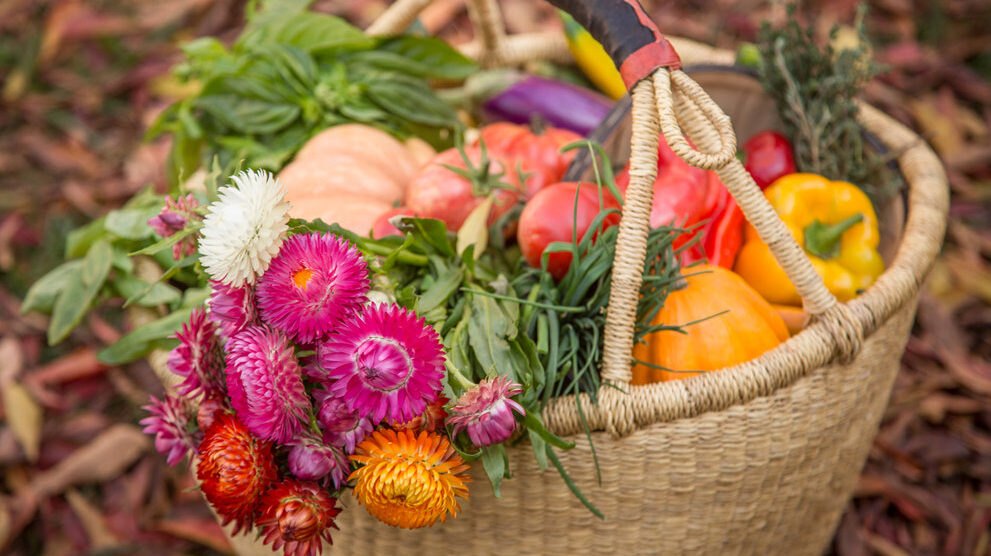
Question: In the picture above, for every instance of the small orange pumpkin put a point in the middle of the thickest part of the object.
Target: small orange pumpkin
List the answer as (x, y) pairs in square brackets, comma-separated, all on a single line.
[(744, 326)]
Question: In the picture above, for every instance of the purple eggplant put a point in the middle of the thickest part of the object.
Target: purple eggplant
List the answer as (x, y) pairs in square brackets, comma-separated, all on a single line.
[(520, 98)]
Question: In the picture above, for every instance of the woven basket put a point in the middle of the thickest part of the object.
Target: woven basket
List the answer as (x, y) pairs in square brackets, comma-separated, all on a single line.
[(760, 458)]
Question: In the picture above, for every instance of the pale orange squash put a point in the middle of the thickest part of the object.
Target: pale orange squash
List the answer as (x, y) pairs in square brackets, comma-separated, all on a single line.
[(747, 327), (349, 175)]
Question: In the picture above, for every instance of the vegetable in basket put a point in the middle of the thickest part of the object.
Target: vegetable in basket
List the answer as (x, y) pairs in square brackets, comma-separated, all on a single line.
[(349, 174), (696, 199), (512, 96), (592, 58), (723, 322), (768, 156), (833, 221), (534, 153)]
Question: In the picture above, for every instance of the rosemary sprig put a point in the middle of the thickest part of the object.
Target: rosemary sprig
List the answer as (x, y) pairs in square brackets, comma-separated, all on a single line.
[(815, 89)]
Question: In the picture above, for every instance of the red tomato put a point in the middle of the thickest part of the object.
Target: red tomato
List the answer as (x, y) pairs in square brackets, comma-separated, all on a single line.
[(535, 154), (548, 217), (768, 157), (437, 192), (382, 227)]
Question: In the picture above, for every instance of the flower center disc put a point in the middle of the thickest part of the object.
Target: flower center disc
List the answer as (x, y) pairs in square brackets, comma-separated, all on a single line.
[(302, 277), (383, 363)]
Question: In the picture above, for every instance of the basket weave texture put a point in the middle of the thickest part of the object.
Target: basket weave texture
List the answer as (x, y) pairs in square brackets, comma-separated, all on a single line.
[(757, 459)]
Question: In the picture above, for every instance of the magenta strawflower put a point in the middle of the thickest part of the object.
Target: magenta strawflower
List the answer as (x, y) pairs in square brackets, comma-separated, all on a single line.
[(311, 459), (232, 308), (386, 363), (173, 218), (315, 281), (169, 421), (265, 385), (486, 411), (198, 358), (341, 426)]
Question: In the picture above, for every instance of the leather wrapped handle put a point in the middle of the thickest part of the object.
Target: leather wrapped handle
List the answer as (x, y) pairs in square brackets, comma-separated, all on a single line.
[(627, 33)]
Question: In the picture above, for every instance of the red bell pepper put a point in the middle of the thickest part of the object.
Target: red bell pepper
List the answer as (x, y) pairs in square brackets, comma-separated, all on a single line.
[(685, 196), (768, 156)]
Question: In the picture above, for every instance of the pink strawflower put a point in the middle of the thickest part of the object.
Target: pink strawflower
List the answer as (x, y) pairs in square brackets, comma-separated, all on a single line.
[(486, 411), (232, 308), (265, 385), (173, 218), (311, 459), (341, 426), (387, 363), (198, 357), (169, 422), (315, 281)]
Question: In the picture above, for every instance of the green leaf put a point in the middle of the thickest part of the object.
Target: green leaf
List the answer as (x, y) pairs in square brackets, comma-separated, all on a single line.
[(539, 449), (130, 223), (73, 303), (571, 484), (495, 460), (309, 31), (78, 242), (137, 291), (141, 340), (488, 328), (433, 232), (412, 100), (97, 263), (168, 242), (429, 57), (248, 115), (438, 292), (184, 158), (43, 293)]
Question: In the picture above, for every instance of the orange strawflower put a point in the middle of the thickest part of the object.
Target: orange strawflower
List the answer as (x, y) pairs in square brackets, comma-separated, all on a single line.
[(408, 480)]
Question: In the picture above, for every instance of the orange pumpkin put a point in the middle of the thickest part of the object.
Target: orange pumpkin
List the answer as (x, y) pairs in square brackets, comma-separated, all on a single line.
[(732, 324)]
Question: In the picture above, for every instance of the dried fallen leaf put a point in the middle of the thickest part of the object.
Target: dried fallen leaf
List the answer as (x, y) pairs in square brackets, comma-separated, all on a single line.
[(24, 416), (102, 459), (100, 537)]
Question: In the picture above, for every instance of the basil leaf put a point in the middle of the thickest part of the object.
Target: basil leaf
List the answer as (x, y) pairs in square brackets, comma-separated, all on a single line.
[(248, 115), (138, 342), (495, 460), (429, 57), (309, 31), (43, 293), (413, 101)]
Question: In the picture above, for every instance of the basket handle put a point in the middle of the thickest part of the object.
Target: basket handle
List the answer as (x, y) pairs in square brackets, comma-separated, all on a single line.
[(666, 99)]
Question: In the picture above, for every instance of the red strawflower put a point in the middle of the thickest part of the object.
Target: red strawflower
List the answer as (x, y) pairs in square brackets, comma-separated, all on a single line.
[(235, 469), (297, 516), (431, 420)]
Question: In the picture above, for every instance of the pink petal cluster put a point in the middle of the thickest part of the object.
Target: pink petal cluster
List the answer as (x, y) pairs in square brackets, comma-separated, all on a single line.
[(232, 308), (385, 363), (198, 357), (486, 411), (169, 422), (341, 426), (311, 459), (315, 281), (265, 384), (173, 218)]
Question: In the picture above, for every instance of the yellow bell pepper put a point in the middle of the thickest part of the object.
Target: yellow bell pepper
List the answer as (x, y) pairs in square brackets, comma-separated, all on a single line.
[(592, 58), (833, 221)]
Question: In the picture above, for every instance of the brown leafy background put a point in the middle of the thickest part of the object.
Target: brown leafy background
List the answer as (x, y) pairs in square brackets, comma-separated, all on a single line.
[(82, 79)]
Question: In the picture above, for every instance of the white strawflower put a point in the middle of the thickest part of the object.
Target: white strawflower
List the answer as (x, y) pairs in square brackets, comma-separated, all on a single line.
[(243, 229)]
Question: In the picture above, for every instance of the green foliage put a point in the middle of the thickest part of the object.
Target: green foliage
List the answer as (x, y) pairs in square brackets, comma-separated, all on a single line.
[(292, 73), (816, 91)]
